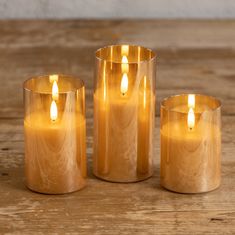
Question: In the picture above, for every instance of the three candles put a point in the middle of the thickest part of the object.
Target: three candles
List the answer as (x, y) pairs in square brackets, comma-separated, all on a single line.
[(124, 113)]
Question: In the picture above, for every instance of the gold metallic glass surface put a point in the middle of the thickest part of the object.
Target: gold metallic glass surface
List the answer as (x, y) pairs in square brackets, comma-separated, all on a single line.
[(55, 132), (124, 110), (190, 143)]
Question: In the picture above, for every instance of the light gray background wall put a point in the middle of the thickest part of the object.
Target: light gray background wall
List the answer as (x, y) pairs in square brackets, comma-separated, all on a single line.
[(117, 9)]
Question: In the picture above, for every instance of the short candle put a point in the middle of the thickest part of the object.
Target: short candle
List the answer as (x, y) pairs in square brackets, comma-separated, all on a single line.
[(54, 127), (190, 143), (124, 108)]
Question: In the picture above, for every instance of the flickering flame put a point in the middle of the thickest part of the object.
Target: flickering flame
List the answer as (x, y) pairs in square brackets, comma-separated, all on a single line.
[(191, 115), (124, 84), (55, 91), (124, 60), (125, 69), (191, 119), (53, 78), (125, 66), (145, 84), (53, 111), (125, 50), (191, 101)]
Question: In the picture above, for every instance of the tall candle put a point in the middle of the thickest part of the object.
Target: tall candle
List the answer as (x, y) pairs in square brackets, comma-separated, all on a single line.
[(124, 100), (54, 127), (190, 143)]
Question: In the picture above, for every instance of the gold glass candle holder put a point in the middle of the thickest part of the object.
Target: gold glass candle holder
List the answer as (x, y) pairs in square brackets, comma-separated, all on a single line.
[(190, 143), (124, 107), (54, 129)]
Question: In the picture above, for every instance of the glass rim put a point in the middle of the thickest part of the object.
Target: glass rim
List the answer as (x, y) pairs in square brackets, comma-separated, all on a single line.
[(120, 45), (38, 77), (167, 108)]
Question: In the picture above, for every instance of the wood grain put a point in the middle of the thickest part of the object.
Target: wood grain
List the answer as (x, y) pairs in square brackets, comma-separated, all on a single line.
[(193, 56)]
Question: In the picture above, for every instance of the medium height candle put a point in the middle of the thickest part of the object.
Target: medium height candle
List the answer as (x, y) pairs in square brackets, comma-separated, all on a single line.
[(54, 127), (124, 107), (190, 143)]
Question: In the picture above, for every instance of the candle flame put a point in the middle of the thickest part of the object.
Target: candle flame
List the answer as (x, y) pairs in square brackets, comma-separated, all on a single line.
[(53, 77), (191, 119), (191, 101), (55, 91), (125, 66), (125, 50), (191, 115), (145, 84), (124, 60), (124, 84), (55, 95), (53, 111), (125, 69)]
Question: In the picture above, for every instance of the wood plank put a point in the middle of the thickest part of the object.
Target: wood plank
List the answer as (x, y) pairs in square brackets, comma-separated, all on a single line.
[(189, 52), (195, 72), (107, 208), (95, 33)]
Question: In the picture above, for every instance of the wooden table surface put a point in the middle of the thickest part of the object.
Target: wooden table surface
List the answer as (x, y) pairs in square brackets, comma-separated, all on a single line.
[(192, 56)]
